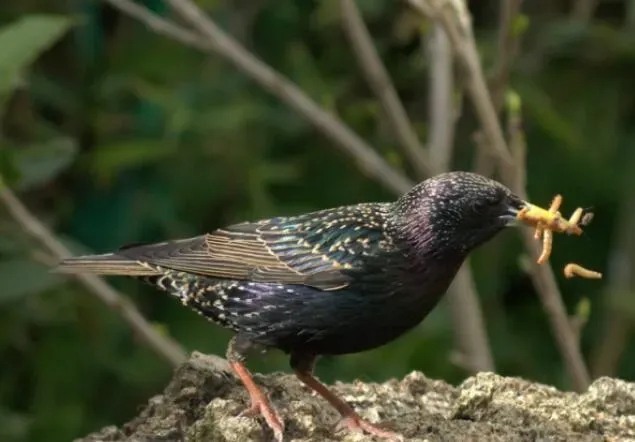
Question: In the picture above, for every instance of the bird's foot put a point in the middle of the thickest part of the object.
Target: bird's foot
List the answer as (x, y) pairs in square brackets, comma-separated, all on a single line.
[(262, 407), (357, 424)]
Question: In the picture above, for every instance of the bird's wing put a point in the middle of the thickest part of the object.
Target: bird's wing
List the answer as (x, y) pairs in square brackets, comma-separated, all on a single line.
[(313, 249)]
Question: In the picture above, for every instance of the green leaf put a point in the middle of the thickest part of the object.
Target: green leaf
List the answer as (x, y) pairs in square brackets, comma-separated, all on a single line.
[(583, 309), (514, 102), (520, 25), (40, 163), (22, 41), (109, 160), (8, 172), (279, 172), (23, 277)]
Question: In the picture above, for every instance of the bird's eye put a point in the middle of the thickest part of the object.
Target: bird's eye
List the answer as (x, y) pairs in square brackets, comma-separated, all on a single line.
[(482, 204)]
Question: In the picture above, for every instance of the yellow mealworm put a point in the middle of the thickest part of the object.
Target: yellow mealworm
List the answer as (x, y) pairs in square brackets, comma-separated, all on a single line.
[(547, 231), (571, 270), (547, 242), (575, 217), (551, 219), (548, 221), (555, 204)]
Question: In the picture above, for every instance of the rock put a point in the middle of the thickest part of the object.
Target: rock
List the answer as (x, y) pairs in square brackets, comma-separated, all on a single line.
[(202, 403)]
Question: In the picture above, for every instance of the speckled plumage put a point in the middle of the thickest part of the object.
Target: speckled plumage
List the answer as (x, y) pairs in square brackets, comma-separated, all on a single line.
[(335, 281)]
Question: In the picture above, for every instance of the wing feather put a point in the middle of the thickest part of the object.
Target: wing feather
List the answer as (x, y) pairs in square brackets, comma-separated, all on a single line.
[(313, 249)]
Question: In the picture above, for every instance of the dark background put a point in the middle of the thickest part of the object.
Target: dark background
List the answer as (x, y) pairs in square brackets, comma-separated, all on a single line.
[(112, 134)]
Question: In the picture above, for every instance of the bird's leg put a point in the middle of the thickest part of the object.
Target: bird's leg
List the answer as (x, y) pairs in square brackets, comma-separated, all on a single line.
[(260, 405), (302, 366)]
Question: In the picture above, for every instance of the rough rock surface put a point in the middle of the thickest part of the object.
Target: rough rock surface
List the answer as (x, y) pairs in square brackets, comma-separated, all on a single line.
[(202, 404)]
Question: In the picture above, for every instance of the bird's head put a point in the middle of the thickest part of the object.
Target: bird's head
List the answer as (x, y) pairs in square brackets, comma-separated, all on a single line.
[(456, 211)]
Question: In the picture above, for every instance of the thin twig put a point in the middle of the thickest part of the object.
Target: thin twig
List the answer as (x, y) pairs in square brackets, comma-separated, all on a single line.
[(609, 348), (475, 353), (456, 21), (381, 84), (160, 25), (546, 286), (213, 39), (467, 317), (506, 50), (441, 90), (516, 176), (580, 318), (454, 16), (164, 346)]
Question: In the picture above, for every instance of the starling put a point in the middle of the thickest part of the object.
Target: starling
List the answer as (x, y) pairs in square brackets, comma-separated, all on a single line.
[(331, 282)]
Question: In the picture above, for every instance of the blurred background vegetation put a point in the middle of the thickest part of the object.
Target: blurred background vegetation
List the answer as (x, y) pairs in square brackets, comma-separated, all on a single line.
[(112, 134)]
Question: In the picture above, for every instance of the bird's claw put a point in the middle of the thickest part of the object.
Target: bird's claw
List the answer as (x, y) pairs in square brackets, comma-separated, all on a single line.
[(357, 424), (272, 418)]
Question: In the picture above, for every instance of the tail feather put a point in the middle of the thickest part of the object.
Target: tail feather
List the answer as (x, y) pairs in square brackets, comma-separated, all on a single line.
[(106, 264)]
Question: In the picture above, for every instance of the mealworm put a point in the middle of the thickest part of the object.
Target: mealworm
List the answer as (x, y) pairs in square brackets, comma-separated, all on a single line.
[(571, 270), (547, 232), (547, 242), (555, 203), (548, 221), (552, 219), (577, 214)]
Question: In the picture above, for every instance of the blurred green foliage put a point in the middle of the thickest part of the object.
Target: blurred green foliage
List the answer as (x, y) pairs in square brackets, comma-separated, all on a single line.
[(113, 135)]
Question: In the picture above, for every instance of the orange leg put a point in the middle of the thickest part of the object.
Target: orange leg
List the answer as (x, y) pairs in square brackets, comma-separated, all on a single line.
[(260, 404), (303, 368)]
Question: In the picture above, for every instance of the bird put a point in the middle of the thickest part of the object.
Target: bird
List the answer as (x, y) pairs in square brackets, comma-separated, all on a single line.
[(330, 282)]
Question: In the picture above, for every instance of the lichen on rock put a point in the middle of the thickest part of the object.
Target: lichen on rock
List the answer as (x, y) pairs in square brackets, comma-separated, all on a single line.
[(203, 403)]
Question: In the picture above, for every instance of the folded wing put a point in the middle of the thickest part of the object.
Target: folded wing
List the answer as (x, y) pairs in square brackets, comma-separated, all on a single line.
[(314, 249)]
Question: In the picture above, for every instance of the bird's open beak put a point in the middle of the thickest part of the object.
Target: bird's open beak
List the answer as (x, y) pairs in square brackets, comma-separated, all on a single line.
[(510, 217)]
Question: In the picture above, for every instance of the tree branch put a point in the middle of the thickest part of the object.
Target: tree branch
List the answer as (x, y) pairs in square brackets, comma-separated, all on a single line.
[(441, 90), (454, 17), (475, 354), (608, 350), (367, 159), (160, 25), (164, 346), (467, 317), (210, 38), (456, 21), (506, 50), (381, 84)]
